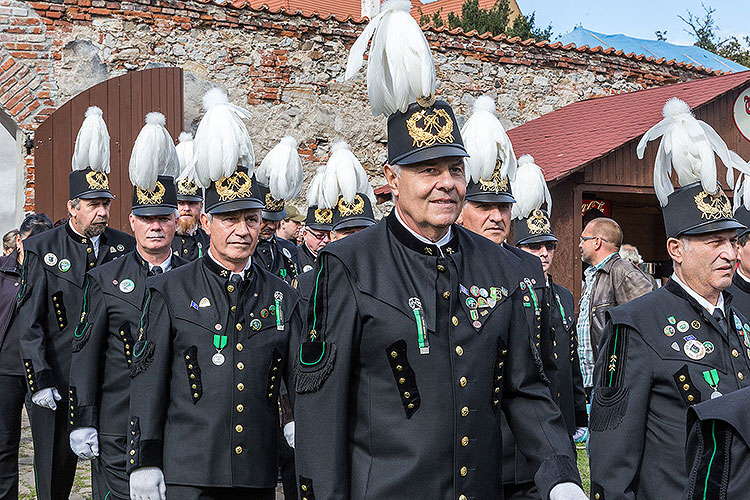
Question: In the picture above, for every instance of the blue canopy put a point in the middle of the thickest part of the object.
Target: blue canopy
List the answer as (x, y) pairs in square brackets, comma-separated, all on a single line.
[(652, 48)]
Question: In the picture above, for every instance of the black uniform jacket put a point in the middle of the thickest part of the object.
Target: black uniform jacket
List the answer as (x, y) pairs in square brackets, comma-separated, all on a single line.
[(191, 247), (50, 297), (571, 397), (718, 448), (379, 417), (278, 256), (305, 259), (103, 343), (661, 354), (203, 423), (740, 290), (305, 288)]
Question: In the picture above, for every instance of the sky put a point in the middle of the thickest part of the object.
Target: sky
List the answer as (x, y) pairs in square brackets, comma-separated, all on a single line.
[(638, 18)]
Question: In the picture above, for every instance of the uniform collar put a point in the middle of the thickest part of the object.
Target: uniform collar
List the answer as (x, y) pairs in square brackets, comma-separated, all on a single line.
[(222, 271), (699, 298), (78, 237), (742, 276), (418, 243), (165, 266)]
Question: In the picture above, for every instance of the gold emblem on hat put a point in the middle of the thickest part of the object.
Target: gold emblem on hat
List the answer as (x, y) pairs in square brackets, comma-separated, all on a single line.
[(713, 206), (273, 205), (538, 223), (429, 126), (155, 197), (97, 181), (186, 187), (237, 185), (356, 207), (323, 215), (497, 183)]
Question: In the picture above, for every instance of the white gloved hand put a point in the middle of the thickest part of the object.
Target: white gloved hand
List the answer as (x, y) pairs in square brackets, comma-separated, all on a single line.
[(46, 398), (289, 433), (579, 434), (147, 483), (84, 442), (567, 491)]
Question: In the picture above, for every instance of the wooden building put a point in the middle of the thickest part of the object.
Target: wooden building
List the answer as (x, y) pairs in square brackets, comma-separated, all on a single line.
[(587, 151)]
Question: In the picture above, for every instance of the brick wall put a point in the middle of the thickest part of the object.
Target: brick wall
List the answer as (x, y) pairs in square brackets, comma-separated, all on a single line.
[(285, 68)]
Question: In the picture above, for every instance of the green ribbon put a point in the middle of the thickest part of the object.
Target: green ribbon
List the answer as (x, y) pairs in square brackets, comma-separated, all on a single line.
[(220, 341), (712, 378), (562, 311), (533, 296), (282, 273), (279, 315), (421, 338)]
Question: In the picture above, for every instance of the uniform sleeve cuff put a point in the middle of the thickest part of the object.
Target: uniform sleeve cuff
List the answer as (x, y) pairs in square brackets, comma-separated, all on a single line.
[(555, 470), (148, 453), (85, 416), (43, 379)]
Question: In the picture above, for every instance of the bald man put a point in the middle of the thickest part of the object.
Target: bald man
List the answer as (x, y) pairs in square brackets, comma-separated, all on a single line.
[(610, 281)]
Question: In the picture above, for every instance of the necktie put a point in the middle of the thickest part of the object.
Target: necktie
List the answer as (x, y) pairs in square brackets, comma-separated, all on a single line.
[(720, 319), (155, 270)]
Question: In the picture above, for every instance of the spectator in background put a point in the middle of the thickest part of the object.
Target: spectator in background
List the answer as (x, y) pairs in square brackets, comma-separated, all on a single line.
[(609, 281), (290, 226), (12, 376), (9, 241), (631, 253)]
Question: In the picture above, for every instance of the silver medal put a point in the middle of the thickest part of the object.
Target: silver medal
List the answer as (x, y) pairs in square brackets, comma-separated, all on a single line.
[(217, 359), (715, 394)]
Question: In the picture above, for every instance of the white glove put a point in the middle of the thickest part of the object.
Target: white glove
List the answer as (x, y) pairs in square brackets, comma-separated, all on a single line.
[(147, 483), (579, 434), (85, 442), (46, 398), (567, 491), (289, 433)]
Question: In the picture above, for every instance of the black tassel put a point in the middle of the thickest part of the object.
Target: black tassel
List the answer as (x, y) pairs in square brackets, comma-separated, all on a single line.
[(141, 362), (608, 409), (81, 336), (538, 362), (311, 378)]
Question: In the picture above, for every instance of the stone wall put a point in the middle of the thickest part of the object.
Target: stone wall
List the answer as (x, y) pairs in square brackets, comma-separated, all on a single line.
[(286, 69)]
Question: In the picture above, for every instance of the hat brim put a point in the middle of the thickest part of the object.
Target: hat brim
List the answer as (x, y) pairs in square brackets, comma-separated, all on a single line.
[(712, 227), (297, 218), (430, 153), (320, 227), (353, 222), (235, 205), (187, 197), (491, 197), (542, 238), (92, 195), (153, 211), (274, 215)]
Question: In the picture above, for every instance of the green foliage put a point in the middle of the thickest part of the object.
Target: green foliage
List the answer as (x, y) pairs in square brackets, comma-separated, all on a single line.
[(703, 30)]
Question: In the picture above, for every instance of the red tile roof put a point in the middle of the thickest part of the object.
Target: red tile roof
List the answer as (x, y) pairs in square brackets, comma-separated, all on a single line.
[(450, 6), (573, 136), (340, 8)]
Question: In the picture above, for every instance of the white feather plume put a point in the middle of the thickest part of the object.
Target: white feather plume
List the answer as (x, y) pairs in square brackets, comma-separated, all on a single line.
[(345, 176), (92, 143), (688, 145), (221, 142), (486, 142), (185, 155), (281, 170), (153, 154), (315, 197), (529, 189), (400, 68), (742, 186)]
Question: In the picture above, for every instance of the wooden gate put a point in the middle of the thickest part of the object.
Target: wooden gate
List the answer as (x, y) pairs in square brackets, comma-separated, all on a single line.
[(125, 101)]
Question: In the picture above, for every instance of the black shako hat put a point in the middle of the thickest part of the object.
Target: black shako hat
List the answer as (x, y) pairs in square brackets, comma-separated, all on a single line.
[(320, 219), (496, 189), (423, 133), (239, 191), (535, 228), (358, 213), (88, 184), (274, 209), (742, 215), (161, 201), (188, 190), (691, 210)]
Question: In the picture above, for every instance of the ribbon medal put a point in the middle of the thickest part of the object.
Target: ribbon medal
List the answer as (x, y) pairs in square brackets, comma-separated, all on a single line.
[(278, 297), (220, 342), (422, 335), (712, 379)]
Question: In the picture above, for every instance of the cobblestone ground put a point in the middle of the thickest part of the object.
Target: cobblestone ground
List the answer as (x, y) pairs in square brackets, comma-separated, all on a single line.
[(82, 483)]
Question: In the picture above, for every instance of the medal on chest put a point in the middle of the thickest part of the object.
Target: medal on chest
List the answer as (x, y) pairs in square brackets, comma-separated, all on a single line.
[(422, 335), (712, 379)]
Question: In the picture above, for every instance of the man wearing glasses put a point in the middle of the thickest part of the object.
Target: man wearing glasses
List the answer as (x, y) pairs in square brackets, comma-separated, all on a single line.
[(316, 235), (610, 281)]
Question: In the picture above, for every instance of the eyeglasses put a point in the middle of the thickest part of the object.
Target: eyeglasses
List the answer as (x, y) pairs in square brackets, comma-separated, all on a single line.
[(319, 235), (549, 245), (587, 238)]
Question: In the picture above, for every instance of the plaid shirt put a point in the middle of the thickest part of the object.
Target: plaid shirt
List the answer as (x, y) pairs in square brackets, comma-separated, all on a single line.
[(585, 351)]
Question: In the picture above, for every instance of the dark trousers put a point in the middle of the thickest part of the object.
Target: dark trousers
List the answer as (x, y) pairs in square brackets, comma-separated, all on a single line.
[(108, 476), (54, 461), (286, 464), (12, 395), (177, 492)]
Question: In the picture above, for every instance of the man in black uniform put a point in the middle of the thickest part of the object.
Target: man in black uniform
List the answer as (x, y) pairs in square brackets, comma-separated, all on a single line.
[(210, 356), (399, 391), (104, 338), (534, 234), (674, 347), (51, 291), (487, 212), (315, 236), (740, 288), (191, 241)]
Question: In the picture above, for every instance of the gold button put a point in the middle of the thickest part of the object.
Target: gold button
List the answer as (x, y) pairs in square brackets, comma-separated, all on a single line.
[(89, 250), (240, 408), (740, 376), (735, 353), (194, 386), (131, 460), (454, 320), (464, 411), (190, 367), (230, 288), (195, 394), (686, 387), (465, 441), (192, 376), (399, 368), (239, 346), (462, 381), (394, 354), (690, 397), (441, 268), (597, 496), (462, 497), (233, 308), (239, 327), (410, 405), (92, 264), (132, 452), (240, 386), (459, 350), (240, 365), (402, 381), (304, 487), (497, 390), (407, 395), (238, 450), (446, 295), (238, 428), (187, 356), (682, 378), (463, 471)]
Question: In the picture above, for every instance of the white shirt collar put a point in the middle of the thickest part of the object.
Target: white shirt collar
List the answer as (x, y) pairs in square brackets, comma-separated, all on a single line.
[(165, 266), (242, 274), (94, 239), (742, 275), (702, 301), (439, 243)]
